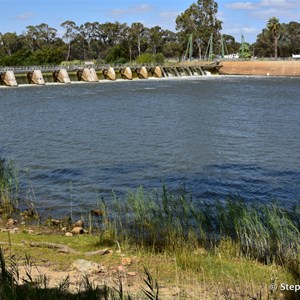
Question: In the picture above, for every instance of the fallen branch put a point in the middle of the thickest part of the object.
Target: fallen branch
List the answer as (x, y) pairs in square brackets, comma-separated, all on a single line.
[(59, 247)]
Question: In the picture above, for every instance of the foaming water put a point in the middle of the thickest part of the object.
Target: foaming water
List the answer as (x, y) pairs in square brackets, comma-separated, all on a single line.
[(215, 135)]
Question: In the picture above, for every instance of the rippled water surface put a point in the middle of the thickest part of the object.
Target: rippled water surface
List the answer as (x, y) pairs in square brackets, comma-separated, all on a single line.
[(216, 135)]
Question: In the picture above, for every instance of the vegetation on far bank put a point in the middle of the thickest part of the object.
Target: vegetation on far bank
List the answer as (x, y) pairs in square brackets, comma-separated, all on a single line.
[(118, 43), (231, 247)]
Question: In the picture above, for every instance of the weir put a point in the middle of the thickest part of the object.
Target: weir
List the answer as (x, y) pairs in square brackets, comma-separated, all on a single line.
[(109, 74), (8, 78), (126, 73), (36, 77), (142, 73), (88, 75), (61, 76), (66, 75)]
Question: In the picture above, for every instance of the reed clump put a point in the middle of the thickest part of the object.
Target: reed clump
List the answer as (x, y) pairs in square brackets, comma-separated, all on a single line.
[(9, 186), (168, 221)]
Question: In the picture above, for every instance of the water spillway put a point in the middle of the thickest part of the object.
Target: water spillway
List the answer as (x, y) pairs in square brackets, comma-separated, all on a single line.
[(66, 75)]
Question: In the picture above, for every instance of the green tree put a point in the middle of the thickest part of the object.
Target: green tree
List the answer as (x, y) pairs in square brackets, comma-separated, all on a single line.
[(155, 39), (10, 43), (200, 19), (71, 31), (137, 31), (263, 45), (117, 54), (289, 41), (274, 26)]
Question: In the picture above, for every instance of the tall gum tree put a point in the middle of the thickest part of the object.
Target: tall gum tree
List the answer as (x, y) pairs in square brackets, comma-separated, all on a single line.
[(200, 19), (70, 34)]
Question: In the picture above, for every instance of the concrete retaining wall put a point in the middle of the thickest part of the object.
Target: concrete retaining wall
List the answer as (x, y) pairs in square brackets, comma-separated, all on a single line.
[(264, 68)]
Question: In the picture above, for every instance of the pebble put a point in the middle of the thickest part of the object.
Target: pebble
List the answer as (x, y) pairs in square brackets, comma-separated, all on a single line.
[(126, 261)]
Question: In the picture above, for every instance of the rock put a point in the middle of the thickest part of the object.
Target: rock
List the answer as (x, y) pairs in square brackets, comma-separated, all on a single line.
[(77, 230), (131, 273), (69, 234), (54, 222), (100, 252), (10, 222), (87, 267), (121, 269), (79, 223), (126, 261)]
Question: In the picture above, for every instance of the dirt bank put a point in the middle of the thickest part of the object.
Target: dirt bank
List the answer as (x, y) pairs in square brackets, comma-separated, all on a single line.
[(264, 68)]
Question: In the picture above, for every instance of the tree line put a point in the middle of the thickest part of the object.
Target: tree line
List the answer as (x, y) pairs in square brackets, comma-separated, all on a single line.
[(114, 42)]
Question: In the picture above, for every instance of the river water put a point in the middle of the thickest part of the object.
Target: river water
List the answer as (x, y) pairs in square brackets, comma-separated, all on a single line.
[(215, 135)]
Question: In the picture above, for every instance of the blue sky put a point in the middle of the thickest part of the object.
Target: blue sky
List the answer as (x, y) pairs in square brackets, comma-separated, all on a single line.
[(239, 17)]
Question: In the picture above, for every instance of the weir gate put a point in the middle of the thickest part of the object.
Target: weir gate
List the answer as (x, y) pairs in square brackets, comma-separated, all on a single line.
[(14, 76)]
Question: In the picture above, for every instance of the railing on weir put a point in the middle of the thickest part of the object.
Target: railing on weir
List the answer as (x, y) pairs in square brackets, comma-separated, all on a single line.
[(76, 67), (69, 67)]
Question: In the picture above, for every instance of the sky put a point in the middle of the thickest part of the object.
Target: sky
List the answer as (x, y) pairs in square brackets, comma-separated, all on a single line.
[(246, 18)]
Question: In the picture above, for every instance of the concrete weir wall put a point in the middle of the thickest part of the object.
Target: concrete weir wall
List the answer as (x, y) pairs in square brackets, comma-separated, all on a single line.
[(126, 73), (142, 73), (61, 76), (36, 77), (109, 74), (88, 75), (64, 75), (263, 68), (8, 78)]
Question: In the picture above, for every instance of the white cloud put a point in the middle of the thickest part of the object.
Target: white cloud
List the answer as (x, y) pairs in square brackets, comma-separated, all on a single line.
[(25, 16), (143, 8), (140, 9), (242, 5), (285, 4), (272, 4), (239, 29)]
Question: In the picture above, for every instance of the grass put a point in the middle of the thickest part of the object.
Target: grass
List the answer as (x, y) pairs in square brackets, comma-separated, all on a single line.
[(226, 250)]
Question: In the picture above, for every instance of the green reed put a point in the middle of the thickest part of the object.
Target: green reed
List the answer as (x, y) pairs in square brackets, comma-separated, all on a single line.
[(172, 221), (9, 186)]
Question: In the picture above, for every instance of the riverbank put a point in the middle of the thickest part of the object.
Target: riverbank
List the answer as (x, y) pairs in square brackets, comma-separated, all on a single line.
[(221, 251), (51, 265), (262, 68)]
